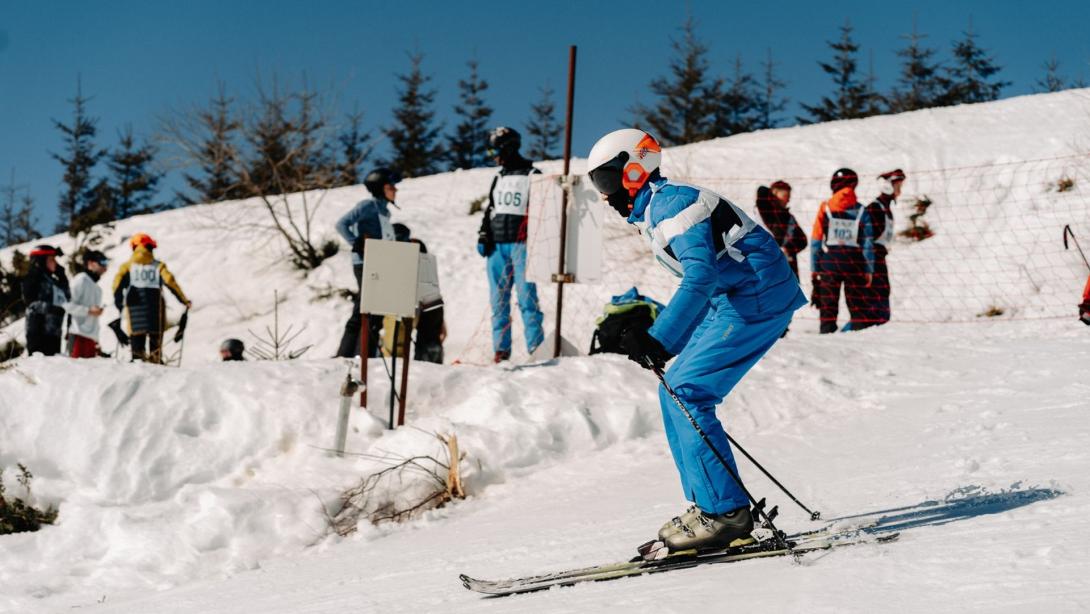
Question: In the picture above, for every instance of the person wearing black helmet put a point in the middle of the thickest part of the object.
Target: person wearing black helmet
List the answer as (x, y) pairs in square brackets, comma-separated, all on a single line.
[(369, 219), (232, 349), (877, 237), (836, 257), (45, 292), (502, 240), (85, 307)]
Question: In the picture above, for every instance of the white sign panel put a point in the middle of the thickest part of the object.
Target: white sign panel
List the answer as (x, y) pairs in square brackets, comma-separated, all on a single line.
[(390, 278), (583, 257)]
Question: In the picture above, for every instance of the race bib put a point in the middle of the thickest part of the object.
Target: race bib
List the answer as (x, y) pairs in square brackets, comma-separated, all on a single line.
[(387, 228), (145, 276), (511, 195), (887, 234), (842, 232)]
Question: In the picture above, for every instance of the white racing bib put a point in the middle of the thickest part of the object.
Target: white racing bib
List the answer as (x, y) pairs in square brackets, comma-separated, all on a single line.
[(145, 275), (511, 195), (842, 232), (387, 227), (700, 210), (887, 235)]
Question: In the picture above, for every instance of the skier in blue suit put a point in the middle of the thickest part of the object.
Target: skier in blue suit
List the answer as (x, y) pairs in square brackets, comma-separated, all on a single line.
[(735, 300), (502, 240)]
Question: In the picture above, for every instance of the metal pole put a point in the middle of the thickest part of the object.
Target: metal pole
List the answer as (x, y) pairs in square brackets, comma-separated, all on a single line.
[(405, 371), (562, 275), (393, 372), (1068, 231), (365, 340), (348, 390)]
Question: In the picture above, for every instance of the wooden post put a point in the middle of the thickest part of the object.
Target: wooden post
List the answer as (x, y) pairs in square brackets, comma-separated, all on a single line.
[(393, 371), (405, 370), (365, 334), (562, 275)]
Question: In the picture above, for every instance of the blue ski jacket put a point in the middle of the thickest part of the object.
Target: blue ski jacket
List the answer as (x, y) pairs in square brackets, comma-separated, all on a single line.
[(369, 219), (718, 251)]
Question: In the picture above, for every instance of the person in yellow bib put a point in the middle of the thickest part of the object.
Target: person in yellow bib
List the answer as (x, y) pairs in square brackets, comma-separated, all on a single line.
[(138, 286)]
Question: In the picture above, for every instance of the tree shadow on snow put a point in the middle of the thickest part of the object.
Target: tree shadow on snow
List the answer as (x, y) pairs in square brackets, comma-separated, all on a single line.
[(960, 504)]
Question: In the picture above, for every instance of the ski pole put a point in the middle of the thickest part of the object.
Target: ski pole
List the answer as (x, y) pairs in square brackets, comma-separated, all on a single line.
[(1068, 231), (813, 515), (780, 538)]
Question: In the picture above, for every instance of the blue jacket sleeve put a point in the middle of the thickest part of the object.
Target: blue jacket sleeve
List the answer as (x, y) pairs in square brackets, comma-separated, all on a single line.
[(346, 226), (867, 221), (815, 256), (696, 251)]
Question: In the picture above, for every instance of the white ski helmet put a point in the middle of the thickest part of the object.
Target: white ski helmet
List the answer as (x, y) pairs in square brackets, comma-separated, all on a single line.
[(623, 158)]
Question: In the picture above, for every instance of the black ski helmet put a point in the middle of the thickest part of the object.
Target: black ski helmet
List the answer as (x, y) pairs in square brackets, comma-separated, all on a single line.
[(843, 178), (377, 179), (234, 349), (503, 142)]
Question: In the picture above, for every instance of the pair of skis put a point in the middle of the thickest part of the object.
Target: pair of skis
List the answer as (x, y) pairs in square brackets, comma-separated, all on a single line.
[(801, 543)]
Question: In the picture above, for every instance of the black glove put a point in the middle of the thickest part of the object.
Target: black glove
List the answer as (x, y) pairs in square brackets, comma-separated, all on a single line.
[(115, 326), (485, 244), (644, 349)]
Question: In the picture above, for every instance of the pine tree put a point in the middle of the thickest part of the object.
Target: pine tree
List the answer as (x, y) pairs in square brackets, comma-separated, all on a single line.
[(688, 99), (79, 161), (269, 136), (973, 77), (214, 152), (737, 107), (769, 102), (1052, 81), (16, 214), (467, 147), (354, 149), (310, 165), (414, 133), (25, 221), (921, 84), (543, 128), (851, 98), (874, 103), (134, 180)]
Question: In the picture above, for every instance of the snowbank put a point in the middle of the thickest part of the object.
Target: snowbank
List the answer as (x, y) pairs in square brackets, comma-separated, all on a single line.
[(167, 475)]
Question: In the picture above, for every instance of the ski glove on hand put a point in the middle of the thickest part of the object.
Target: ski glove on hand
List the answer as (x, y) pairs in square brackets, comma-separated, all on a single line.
[(644, 350), (486, 249)]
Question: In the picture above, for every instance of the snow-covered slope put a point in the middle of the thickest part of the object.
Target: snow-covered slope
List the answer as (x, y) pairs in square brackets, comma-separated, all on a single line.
[(213, 477)]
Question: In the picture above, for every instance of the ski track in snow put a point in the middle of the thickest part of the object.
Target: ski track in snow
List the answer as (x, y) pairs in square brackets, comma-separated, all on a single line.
[(201, 488)]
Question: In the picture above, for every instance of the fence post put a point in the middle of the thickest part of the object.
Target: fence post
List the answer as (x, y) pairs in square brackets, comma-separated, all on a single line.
[(562, 276)]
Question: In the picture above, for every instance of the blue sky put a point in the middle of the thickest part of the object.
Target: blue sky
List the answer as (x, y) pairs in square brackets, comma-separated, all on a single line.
[(139, 60)]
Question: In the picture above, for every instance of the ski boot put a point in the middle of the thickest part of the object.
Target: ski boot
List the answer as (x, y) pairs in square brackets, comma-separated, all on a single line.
[(703, 531), (674, 524)]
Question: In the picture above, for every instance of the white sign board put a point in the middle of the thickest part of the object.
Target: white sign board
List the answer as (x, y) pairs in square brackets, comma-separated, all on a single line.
[(390, 278), (427, 292), (583, 251)]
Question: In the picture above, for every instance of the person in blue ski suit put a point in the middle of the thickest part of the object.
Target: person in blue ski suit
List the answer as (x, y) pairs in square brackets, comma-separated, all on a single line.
[(369, 219), (502, 240), (736, 297)]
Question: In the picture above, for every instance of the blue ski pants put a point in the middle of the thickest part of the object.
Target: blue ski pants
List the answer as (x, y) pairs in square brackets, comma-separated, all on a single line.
[(722, 349), (507, 268)]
